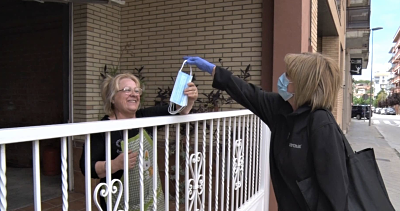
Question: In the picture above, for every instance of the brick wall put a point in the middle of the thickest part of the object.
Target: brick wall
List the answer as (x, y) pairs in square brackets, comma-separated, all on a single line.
[(162, 32), (96, 43), (314, 25)]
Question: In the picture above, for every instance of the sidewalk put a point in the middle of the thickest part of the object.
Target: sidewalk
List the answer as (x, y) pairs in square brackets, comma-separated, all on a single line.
[(362, 136)]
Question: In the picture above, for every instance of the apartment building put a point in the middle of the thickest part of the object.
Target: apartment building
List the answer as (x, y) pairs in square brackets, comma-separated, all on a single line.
[(395, 60), (381, 82), (360, 90)]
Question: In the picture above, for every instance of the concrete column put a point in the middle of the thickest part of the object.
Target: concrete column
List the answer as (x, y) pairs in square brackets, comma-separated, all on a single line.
[(292, 32)]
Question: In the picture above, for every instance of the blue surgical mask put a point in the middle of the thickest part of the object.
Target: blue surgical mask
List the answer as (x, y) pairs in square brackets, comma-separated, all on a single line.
[(283, 83), (177, 96)]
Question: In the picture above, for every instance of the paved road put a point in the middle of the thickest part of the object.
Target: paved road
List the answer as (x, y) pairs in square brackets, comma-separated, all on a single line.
[(382, 137), (388, 126)]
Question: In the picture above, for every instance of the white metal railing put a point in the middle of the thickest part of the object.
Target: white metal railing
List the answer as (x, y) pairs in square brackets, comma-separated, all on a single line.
[(239, 179)]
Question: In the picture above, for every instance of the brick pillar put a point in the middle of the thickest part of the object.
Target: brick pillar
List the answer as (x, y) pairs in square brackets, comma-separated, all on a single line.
[(96, 43), (331, 48)]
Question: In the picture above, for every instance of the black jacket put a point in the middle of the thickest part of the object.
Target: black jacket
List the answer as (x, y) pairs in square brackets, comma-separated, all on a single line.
[(307, 157)]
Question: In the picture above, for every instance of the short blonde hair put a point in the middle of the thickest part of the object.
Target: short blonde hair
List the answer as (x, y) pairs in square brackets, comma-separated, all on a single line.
[(110, 87), (317, 79)]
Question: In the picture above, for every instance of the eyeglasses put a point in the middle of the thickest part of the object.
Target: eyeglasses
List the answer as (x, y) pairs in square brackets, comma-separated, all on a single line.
[(128, 90)]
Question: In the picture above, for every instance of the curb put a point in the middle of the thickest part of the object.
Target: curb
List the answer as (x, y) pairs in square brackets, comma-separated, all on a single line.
[(397, 152)]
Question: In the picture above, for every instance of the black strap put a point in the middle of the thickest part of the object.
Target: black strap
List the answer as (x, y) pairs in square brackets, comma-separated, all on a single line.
[(348, 150)]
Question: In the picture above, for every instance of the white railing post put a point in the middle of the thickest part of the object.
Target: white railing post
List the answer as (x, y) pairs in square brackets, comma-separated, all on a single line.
[(108, 171), (155, 176), (167, 167), (210, 162), (251, 155), (88, 182), (126, 169), (141, 173), (3, 178), (239, 163), (255, 154), (217, 168), (196, 169), (203, 195), (265, 174), (233, 164), (223, 163), (259, 154), (36, 175), (64, 173), (228, 171), (246, 158)]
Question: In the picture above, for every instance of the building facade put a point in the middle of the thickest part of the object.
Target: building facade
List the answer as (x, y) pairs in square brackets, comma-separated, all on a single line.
[(156, 34), (395, 60), (381, 82), (361, 89)]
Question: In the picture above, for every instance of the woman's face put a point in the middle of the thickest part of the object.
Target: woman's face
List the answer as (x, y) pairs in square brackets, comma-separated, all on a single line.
[(126, 102)]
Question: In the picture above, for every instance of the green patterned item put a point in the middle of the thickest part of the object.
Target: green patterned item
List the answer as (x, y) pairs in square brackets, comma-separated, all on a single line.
[(148, 174)]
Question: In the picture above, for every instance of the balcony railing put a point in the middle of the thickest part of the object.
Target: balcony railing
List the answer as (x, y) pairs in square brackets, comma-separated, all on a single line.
[(233, 148), (396, 79), (396, 57), (396, 90), (396, 69)]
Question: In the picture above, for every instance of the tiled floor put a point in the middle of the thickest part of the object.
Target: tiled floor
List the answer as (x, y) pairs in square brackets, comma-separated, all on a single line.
[(76, 202)]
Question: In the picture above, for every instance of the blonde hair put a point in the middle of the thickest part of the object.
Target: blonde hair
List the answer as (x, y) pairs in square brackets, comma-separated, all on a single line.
[(110, 87), (317, 79)]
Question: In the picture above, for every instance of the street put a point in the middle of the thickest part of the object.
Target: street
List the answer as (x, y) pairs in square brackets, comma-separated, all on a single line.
[(382, 136), (388, 126)]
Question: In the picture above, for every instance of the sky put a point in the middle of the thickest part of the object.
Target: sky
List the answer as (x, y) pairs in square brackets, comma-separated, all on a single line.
[(384, 13)]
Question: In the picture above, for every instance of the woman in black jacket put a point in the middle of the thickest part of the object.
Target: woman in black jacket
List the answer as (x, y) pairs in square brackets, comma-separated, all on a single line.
[(307, 156)]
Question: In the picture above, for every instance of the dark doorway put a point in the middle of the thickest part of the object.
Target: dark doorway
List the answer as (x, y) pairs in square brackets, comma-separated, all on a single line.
[(34, 72)]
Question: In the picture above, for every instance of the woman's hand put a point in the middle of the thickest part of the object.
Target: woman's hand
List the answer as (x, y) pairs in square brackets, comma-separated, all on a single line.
[(118, 162), (202, 64), (192, 94)]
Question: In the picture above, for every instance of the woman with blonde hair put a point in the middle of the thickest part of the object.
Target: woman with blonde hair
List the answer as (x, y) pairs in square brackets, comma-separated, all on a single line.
[(121, 100), (307, 156)]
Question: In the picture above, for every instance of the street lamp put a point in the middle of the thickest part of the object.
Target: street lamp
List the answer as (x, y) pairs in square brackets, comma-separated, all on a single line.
[(372, 61)]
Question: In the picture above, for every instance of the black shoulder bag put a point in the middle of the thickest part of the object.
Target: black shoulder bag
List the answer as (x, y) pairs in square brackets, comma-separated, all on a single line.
[(367, 191)]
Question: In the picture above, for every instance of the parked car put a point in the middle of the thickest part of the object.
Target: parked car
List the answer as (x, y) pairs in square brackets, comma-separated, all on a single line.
[(383, 111), (378, 110), (390, 111), (360, 111)]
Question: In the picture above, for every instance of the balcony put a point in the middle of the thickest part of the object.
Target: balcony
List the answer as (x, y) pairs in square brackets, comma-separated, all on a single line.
[(358, 29), (396, 57), (396, 69), (396, 90), (222, 159), (396, 79)]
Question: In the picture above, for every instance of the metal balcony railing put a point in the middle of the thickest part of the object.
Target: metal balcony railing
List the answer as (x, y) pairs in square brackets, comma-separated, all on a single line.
[(231, 145)]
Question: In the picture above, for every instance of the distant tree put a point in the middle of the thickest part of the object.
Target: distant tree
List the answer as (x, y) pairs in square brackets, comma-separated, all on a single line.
[(361, 100), (381, 99), (393, 99), (362, 81)]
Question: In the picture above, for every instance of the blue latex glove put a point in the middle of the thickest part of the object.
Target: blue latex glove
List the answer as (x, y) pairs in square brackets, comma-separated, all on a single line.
[(202, 64)]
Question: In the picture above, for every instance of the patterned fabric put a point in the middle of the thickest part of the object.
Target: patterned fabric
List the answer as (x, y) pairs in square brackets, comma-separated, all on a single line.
[(148, 174)]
